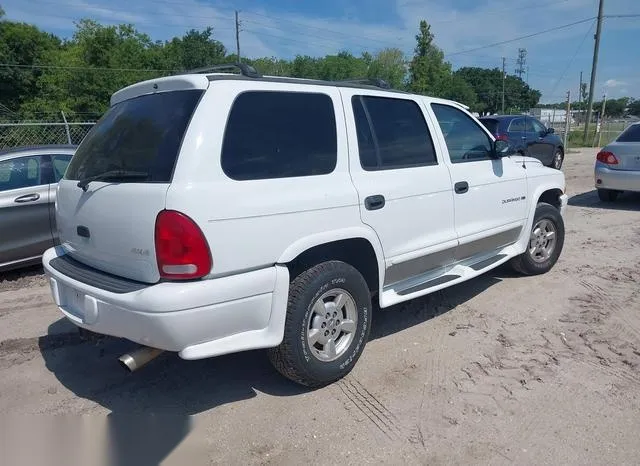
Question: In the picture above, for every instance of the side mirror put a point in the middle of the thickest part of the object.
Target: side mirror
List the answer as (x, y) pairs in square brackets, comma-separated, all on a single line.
[(550, 130), (502, 149)]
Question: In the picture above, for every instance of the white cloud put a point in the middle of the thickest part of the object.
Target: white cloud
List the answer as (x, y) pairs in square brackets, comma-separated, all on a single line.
[(613, 83)]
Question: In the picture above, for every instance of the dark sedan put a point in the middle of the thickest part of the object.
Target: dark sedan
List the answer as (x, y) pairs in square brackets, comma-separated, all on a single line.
[(528, 137)]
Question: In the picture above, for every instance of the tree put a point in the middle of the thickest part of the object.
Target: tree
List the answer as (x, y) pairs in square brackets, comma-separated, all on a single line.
[(487, 84), (24, 46), (614, 108), (428, 72), (634, 107), (388, 64), (461, 91), (195, 49)]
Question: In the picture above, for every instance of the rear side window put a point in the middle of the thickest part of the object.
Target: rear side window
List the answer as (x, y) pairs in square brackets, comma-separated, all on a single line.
[(631, 134), (392, 133), (517, 126), (279, 135), (491, 125), (143, 134)]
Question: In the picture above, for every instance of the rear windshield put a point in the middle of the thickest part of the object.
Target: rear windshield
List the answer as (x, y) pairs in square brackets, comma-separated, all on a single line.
[(631, 134), (491, 125), (138, 135)]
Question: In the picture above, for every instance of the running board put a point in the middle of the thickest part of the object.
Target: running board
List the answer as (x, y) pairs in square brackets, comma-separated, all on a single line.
[(430, 284)]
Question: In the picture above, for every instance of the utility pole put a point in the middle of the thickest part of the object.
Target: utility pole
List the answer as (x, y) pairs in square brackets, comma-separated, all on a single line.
[(567, 121), (594, 67), (238, 37), (521, 62), (601, 118), (504, 78), (580, 91)]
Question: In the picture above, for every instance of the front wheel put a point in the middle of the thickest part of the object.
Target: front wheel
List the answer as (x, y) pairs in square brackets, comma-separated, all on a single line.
[(558, 158), (546, 241), (327, 326)]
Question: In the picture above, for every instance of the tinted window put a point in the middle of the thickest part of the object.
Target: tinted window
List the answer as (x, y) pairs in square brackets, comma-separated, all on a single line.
[(21, 172), (392, 133), (465, 139), (517, 126), (631, 134), (143, 134), (490, 124), (279, 135), (538, 127), (59, 164)]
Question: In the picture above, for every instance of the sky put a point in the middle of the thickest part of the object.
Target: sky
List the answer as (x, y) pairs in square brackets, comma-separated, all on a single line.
[(463, 29)]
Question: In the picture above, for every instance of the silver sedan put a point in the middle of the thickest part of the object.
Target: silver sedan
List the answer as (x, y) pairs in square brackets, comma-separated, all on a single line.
[(28, 181), (618, 165)]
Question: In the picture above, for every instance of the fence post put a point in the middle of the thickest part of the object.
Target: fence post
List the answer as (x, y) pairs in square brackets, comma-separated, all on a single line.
[(567, 121), (66, 127)]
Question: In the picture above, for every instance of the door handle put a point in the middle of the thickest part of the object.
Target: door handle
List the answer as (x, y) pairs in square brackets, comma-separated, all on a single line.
[(374, 202), (461, 187), (27, 198)]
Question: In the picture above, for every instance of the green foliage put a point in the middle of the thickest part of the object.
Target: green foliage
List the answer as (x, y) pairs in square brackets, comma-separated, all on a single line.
[(79, 75), (634, 107), (428, 72)]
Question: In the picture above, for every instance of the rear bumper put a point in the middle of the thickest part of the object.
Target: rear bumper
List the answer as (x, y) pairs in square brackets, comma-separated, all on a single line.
[(197, 319), (619, 180)]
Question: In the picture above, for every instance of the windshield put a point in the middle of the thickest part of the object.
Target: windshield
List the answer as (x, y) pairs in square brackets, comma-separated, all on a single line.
[(143, 134), (631, 134)]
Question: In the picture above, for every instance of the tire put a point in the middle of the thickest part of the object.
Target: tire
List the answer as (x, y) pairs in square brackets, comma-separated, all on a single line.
[(533, 261), (558, 159), (608, 195), (310, 364)]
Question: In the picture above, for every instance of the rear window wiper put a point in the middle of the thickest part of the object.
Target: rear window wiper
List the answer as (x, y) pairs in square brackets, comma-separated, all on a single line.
[(112, 175)]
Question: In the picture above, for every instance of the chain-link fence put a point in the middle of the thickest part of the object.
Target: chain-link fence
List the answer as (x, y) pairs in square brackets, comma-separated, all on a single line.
[(31, 134)]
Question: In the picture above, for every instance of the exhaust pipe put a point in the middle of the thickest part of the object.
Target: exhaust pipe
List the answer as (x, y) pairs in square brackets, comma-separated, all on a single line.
[(139, 358)]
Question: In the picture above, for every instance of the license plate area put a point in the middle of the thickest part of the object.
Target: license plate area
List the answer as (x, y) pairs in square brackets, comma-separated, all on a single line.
[(73, 302)]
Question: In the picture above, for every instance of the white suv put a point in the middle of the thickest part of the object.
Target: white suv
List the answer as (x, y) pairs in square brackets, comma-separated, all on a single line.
[(211, 213)]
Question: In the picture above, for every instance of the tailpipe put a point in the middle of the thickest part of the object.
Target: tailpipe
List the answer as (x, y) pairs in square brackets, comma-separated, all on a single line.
[(139, 358)]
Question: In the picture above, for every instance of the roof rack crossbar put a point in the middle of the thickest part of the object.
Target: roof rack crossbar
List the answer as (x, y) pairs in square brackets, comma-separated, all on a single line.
[(245, 70), (377, 82)]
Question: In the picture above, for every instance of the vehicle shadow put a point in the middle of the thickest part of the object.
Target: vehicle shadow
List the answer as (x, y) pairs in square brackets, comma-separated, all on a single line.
[(590, 199), (151, 411)]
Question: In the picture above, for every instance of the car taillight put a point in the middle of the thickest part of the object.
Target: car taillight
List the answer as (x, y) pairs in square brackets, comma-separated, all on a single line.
[(502, 137), (607, 157), (182, 251)]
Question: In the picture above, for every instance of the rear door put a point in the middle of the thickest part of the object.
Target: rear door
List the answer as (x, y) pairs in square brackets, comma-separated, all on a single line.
[(489, 195), (109, 223), (25, 230), (404, 188)]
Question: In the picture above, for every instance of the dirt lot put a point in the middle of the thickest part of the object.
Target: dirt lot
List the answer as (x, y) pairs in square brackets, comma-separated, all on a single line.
[(500, 370)]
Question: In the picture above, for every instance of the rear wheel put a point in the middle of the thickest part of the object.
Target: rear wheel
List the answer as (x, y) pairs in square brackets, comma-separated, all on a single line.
[(558, 158), (608, 195), (327, 326), (545, 242)]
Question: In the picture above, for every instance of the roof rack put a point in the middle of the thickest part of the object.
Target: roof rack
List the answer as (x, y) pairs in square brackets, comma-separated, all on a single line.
[(377, 82), (245, 70)]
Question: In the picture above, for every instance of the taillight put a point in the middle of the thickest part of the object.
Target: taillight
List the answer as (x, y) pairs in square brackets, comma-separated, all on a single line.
[(502, 137), (607, 157), (181, 248)]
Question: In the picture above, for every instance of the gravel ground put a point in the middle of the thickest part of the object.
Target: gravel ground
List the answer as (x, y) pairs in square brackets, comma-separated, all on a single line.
[(499, 370)]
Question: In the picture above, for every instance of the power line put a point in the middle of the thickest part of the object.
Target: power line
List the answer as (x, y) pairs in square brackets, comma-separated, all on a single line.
[(82, 68), (515, 39), (573, 58)]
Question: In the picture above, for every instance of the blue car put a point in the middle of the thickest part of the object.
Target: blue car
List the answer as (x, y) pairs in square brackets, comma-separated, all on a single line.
[(528, 137)]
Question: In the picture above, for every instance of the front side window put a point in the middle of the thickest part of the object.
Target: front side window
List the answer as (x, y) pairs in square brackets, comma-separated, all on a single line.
[(279, 135), (59, 164), (392, 133), (21, 172), (466, 140), (538, 127)]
